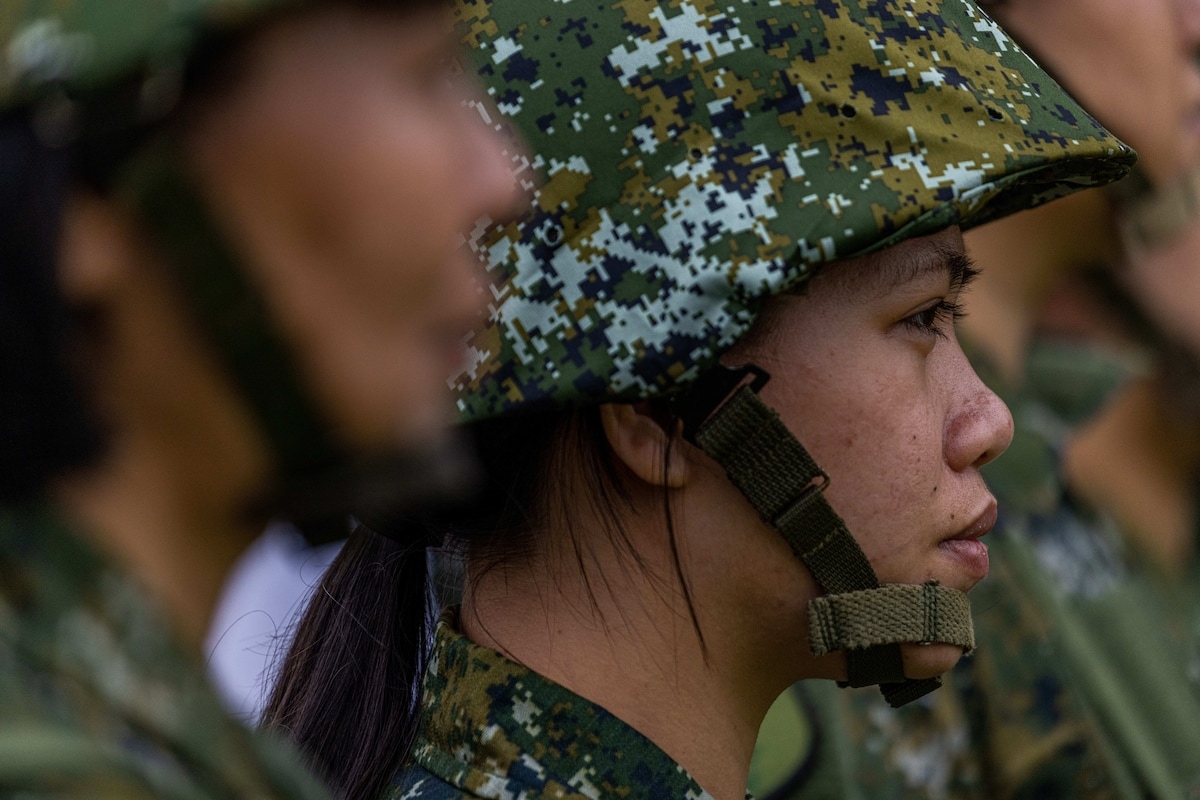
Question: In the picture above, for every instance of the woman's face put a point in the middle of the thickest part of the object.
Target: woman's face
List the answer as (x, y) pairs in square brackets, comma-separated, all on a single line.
[(347, 165), (1131, 64), (867, 373)]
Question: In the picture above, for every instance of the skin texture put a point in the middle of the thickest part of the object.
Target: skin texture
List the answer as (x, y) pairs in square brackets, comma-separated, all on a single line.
[(870, 378), (345, 168)]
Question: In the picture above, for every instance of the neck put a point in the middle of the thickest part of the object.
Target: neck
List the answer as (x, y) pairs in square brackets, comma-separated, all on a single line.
[(1022, 258), (153, 518), (184, 454), (628, 644)]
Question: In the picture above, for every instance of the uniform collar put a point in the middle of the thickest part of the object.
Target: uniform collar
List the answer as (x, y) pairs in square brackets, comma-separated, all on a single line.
[(494, 728)]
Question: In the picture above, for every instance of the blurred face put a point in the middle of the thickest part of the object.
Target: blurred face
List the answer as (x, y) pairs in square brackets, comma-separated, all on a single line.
[(346, 165), (867, 373), (1131, 64)]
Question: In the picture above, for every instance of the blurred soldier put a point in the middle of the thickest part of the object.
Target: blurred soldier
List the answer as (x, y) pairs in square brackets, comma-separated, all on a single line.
[(230, 287), (1085, 682)]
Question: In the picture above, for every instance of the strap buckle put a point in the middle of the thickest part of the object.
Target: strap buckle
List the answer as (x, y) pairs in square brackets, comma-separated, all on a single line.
[(695, 404)]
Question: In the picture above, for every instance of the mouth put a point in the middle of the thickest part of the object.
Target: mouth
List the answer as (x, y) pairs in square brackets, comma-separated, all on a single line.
[(966, 549)]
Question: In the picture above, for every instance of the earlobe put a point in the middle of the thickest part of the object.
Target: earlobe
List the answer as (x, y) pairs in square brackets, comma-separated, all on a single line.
[(639, 441)]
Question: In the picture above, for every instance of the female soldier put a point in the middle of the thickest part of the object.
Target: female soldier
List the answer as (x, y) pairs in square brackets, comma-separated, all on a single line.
[(255, 210), (1085, 683), (663, 335)]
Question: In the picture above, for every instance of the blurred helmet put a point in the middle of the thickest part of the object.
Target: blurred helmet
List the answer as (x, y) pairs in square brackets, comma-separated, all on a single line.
[(81, 46)]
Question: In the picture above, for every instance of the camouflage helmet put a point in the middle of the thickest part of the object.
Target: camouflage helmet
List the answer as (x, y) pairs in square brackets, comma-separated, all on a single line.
[(699, 156), (82, 45)]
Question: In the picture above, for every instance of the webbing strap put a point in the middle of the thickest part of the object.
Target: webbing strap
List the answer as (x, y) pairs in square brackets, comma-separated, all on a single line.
[(785, 485), (901, 694), (893, 613), (231, 313), (317, 481)]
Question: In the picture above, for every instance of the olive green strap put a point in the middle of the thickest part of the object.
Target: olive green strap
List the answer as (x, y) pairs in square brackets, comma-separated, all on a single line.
[(901, 694), (229, 310), (893, 613), (785, 485)]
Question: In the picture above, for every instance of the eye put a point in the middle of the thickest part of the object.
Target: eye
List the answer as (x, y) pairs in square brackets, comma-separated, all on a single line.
[(935, 318)]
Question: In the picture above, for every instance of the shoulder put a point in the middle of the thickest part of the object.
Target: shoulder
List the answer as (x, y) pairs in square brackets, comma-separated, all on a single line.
[(98, 697)]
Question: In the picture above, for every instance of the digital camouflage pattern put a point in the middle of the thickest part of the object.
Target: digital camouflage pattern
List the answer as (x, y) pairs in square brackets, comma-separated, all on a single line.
[(698, 156), (1086, 680), (78, 45), (495, 729), (96, 698)]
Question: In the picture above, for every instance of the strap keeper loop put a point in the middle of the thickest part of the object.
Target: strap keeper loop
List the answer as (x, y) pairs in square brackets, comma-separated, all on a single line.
[(789, 516), (695, 404)]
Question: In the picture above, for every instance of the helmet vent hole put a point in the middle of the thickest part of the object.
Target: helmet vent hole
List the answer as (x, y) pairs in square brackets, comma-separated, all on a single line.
[(995, 113), (697, 153), (849, 111)]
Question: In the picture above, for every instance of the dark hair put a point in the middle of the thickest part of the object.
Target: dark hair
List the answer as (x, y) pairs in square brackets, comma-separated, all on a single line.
[(44, 426), (348, 689)]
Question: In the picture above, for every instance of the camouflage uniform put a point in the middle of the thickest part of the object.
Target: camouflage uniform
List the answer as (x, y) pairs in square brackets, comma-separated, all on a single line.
[(1086, 682), (493, 728), (97, 699)]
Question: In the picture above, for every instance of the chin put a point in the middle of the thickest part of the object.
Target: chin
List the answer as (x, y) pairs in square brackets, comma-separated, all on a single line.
[(929, 660)]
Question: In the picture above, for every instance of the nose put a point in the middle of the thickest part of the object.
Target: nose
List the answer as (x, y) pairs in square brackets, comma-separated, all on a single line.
[(496, 169), (979, 427)]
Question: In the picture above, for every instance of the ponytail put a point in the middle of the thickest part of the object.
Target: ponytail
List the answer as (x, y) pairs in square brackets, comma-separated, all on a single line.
[(45, 426), (348, 690)]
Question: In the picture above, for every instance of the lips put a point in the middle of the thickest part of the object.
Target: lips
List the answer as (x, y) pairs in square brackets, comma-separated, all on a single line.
[(965, 547)]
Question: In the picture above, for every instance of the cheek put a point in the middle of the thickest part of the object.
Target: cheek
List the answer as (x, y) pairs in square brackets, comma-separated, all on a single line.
[(382, 209), (877, 430), (343, 208)]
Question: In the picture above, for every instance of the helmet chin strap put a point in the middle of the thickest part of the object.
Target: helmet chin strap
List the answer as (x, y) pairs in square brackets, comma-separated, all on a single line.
[(724, 416), (318, 481)]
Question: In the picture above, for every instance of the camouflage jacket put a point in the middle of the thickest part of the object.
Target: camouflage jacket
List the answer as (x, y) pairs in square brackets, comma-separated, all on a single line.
[(1086, 680), (493, 728), (97, 699)]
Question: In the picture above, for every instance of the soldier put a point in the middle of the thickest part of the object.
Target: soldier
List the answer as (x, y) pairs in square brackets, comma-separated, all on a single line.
[(1084, 683), (747, 238), (231, 283)]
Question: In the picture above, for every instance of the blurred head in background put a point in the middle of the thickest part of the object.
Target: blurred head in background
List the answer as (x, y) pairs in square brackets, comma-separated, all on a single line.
[(1131, 64), (252, 214)]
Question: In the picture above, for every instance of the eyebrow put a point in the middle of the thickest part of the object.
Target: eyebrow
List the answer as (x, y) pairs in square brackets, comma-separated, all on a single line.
[(886, 272)]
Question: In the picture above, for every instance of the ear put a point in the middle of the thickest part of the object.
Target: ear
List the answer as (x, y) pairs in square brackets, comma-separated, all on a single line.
[(640, 443), (96, 247)]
